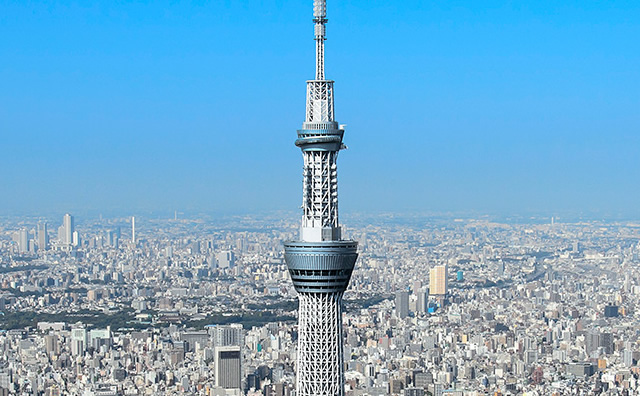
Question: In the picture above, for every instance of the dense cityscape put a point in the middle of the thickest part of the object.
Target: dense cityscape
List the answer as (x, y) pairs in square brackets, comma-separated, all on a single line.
[(436, 306), (460, 109)]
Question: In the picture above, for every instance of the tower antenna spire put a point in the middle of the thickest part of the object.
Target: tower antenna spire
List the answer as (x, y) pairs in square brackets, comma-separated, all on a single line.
[(320, 20)]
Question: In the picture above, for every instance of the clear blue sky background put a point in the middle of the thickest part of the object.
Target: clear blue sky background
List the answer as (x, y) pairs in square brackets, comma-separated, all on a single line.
[(496, 106)]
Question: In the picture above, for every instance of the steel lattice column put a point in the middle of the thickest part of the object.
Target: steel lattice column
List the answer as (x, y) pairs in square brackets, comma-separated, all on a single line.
[(320, 360)]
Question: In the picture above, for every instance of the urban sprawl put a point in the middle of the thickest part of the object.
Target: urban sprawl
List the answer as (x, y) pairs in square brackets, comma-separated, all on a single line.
[(435, 306)]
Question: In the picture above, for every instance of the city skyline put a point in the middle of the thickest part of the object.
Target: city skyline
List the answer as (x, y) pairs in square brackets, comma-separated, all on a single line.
[(149, 238), (490, 108), (535, 308)]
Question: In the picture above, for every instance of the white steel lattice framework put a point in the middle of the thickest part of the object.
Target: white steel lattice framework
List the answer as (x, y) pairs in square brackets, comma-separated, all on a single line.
[(320, 360), (321, 262)]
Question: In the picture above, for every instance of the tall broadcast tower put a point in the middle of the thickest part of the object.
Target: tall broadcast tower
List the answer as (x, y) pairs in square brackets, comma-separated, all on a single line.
[(320, 264)]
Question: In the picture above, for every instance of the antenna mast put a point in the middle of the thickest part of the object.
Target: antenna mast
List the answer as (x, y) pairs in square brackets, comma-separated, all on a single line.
[(320, 19)]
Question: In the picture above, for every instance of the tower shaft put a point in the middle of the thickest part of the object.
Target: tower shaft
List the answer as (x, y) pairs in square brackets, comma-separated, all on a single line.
[(320, 360), (321, 262)]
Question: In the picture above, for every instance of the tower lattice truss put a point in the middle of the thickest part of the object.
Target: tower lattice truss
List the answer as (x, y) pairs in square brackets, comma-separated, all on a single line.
[(320, 357)]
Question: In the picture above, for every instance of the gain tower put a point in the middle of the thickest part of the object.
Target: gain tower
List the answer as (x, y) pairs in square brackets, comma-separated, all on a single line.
[(321, 262)]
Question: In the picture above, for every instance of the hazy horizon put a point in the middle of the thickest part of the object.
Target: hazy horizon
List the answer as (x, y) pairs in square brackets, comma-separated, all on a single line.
[(348, 218)]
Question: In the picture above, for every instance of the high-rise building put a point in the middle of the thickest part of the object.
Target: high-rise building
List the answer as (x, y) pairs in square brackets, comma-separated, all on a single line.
[(43, 236), (402, 304), (422, 302), (69, 228), (21, 238), (228, 361), (592, 341), (438, 282), (113, 237), (227, 335), (225, 259), (133, 230), (321, 262), (66, 233), (606, 342), (75, 239), (78, 341), (51, 344), (99, 337)]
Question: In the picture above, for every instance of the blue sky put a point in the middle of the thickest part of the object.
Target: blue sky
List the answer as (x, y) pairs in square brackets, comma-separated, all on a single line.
[(493, 106)]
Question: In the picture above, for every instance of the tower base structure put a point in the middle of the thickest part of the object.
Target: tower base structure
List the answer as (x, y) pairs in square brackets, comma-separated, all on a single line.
[(320, 368), (320, 272)]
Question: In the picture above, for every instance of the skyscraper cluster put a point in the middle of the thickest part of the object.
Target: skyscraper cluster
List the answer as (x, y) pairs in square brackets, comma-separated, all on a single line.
[(29, 241)]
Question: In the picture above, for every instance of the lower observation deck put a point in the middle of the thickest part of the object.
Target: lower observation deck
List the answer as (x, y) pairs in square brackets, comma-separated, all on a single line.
[(320, 267)]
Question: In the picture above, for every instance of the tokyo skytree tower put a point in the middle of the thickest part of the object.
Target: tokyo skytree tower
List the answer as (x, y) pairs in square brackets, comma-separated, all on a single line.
[(321, 262)]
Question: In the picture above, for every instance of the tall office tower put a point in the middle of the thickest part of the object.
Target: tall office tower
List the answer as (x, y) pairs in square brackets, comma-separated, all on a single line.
[(225, 259), (69, 226), (21, 238), (65, 231), (227, 335), (321, 262), (75, 239), (423, 301), (43, 237), (78, 341), (133, 230), (438, 282), (402, 304), (227, 363), (51, 344)]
